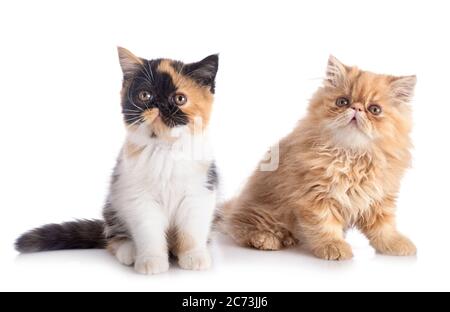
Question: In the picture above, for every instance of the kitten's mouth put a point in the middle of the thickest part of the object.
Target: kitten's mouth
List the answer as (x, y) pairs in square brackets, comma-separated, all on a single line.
[(354, 123), (354, 120)]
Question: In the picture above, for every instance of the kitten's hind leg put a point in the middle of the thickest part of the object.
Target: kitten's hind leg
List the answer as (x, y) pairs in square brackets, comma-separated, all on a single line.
[(253, 229), (264, 241), (123, 249)]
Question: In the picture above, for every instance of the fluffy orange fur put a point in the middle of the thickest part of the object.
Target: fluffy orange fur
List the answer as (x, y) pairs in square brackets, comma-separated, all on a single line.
[(341, 167)]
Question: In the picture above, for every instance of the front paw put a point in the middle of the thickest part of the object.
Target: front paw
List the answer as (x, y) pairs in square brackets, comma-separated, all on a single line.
[(334, 250), (397, 245), (195, 260), (152, 265)]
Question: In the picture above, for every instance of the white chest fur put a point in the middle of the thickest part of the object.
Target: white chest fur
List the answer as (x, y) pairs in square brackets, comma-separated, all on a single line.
[(162, 188), (166, 172)]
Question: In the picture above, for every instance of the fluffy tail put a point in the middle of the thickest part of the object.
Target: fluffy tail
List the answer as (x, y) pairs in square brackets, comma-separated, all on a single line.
[(80, 234)]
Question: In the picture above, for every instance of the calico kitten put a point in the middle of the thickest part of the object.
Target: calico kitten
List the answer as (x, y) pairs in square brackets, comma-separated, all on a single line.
[(341, 167), (162, 197)]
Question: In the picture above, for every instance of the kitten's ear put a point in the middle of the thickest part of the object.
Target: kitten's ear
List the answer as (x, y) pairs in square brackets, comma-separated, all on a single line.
[(403, 88), (129, 62), (336, 72), (204, 72)]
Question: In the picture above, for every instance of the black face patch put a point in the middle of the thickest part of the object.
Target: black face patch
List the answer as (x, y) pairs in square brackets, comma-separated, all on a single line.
[(161, 87)]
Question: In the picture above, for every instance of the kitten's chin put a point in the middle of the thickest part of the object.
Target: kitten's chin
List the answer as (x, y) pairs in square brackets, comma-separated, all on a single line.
[(145, 133), (351, 137)]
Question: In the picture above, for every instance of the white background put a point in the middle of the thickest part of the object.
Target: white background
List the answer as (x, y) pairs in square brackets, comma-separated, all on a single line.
[(61, 128)]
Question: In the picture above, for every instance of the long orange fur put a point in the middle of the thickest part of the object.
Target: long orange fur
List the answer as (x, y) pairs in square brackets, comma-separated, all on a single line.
[(333, 173)]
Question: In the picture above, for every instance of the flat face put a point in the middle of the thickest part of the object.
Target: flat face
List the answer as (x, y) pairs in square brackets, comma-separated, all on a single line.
[(150, 88), (165, 94), (360, 107)]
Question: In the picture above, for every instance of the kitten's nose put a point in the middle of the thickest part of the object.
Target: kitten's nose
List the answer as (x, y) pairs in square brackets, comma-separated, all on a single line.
[(357, 107)]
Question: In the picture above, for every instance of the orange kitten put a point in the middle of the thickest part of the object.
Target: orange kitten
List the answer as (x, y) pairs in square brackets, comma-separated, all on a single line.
[(341, 167)]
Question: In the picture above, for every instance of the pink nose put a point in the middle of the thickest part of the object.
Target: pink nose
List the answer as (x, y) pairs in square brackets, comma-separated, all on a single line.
[(357, 107)]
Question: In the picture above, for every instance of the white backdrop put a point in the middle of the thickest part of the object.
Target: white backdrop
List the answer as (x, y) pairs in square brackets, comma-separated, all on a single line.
[(61, 127)]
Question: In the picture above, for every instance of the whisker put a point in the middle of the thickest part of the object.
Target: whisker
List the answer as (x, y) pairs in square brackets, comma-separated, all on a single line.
[(135, 121), (137, 107), (131, 100), (130, 110), (134, 115), (182, 77), (146, 106), (174, 112), (146, 74), (127, 114), (134, 118)]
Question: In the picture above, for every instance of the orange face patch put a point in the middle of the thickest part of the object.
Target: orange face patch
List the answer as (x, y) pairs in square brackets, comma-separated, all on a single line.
[(199, 98)]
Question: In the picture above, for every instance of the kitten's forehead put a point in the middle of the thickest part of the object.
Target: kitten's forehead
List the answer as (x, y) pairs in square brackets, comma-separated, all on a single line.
[(160, 75), (166, 75), (171, 68), (157, 72), (364, 86)]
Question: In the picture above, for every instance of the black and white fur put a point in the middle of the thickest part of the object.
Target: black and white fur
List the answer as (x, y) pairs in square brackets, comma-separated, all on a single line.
[(160, 195)]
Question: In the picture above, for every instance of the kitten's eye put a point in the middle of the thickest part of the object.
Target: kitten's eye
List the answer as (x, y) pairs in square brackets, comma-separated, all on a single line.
[(342, 101), (375, 109), (179, 99), (145, 96)]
